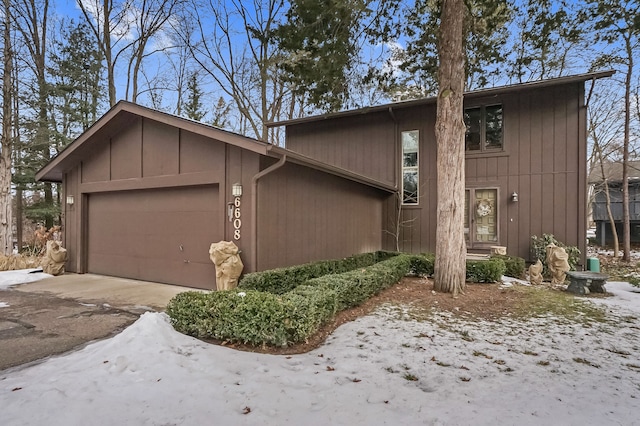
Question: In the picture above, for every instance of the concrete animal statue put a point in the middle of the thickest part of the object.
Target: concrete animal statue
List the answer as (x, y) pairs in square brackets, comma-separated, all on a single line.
[(535, 273), (558, 263), (226, 257), (54, 258)]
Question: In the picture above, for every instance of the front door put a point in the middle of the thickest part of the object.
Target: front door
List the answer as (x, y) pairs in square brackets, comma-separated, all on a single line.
[(481, 217)]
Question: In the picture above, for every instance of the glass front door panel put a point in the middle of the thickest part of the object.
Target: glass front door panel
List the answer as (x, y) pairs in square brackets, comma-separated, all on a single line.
[(485, 216)]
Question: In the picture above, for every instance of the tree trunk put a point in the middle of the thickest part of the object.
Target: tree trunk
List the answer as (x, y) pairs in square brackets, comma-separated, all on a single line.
[(612, 222), (450, 263), (6, 149), (626, 226)]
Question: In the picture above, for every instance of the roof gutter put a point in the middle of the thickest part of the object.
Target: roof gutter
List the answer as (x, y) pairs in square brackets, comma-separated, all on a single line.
[(254, 207)]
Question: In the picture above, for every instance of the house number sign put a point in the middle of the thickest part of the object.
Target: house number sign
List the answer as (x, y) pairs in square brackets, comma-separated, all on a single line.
[(237, 223)]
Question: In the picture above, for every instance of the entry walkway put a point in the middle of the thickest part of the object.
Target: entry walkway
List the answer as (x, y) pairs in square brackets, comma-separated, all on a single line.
[(120, 293)]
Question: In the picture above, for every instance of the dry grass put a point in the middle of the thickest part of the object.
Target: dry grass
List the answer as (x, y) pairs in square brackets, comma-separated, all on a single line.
[(19, 261)]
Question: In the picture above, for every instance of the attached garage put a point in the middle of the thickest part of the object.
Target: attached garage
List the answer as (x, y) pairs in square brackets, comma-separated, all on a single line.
[(160, 235), (148, 192)]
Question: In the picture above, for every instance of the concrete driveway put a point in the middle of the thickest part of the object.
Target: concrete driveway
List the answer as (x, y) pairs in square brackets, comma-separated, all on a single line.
[(58, 314)]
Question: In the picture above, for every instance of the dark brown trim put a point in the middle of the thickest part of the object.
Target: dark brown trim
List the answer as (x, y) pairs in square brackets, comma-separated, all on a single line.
[(190, 179)]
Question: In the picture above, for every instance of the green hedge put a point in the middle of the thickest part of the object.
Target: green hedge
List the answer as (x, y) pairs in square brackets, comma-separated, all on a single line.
[(354, 287), (479, 271), (282, 280), (514, 266), (259, 318), (422, 264), (485, 271)]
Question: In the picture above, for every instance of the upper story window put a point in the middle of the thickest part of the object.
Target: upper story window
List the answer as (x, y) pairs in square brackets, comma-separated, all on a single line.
[(410, 181), (484, 128)]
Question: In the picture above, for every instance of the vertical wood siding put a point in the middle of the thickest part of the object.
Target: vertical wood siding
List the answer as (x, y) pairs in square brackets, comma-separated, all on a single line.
[(305, 215), (544, 161), (143, 154), (360, 144)]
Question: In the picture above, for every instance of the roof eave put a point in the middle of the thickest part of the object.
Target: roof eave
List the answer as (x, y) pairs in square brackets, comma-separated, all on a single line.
[(493, 91), (54, 170)]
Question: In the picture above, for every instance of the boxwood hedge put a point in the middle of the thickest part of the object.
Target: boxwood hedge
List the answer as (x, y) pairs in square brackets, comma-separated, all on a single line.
[(282, 280), (259, 317), (268, 315)]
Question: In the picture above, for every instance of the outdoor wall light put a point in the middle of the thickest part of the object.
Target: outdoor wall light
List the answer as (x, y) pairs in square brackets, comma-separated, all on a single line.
[(236, 190), (514, 197), (70, 200)]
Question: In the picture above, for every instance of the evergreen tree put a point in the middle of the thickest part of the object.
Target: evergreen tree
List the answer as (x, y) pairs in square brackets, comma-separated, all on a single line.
[(320, 44), (485, 35), (548, 31), (192, 108)]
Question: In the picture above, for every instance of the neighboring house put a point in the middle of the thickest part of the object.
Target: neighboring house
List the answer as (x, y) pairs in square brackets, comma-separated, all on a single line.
[(526, 170), (613, 176), (147, 192)]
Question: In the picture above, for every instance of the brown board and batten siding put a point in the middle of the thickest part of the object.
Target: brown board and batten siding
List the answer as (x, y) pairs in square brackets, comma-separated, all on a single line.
[(305, 214), (152, 191), (148, 202), (359, 144), (543, 160)]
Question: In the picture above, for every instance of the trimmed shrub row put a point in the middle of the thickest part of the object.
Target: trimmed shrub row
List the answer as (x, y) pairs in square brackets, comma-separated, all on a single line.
[(514, 266), (485, 271), (283, 280), (259, 318), (479, 271)]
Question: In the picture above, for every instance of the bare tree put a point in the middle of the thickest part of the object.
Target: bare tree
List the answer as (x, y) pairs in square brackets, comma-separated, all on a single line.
[(151, 16), (450, 263), (603, 127), (110, 23), (6, 148), (616, 23), (235, 48)]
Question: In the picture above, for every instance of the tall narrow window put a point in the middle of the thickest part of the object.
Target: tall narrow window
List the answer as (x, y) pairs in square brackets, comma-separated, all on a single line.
[(410, 181), (484, 128)]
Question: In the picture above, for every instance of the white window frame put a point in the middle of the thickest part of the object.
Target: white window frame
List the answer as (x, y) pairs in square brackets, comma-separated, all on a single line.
[(412, 201)]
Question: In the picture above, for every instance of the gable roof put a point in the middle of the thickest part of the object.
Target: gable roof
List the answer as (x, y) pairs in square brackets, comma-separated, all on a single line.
[(125, 112), (121, 115), (613, 172), (493, 91)]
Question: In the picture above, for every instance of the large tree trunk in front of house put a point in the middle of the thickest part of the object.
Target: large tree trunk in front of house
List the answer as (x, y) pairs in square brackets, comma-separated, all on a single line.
[(450, 263)]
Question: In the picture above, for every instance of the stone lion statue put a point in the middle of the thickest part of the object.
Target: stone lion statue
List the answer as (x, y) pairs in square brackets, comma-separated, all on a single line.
[(54, 259), (558, 263), (226, 256)]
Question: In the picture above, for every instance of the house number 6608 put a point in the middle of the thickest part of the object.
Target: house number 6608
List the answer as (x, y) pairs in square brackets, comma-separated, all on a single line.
[(237, 223)]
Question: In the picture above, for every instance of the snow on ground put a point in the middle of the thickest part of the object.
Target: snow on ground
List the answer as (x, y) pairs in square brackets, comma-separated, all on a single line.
[(22, 276), (395, 366)]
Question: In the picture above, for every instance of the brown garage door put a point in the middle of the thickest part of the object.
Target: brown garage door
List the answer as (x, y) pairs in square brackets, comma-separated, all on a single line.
[(160, 235)]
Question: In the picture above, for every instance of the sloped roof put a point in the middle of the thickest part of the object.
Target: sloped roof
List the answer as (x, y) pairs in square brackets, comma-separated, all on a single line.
[(493, 91), (124, 112), (613, 172), (120, 116)]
